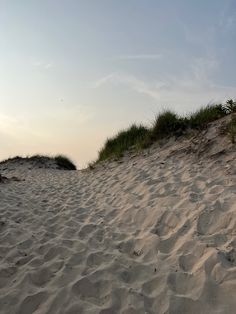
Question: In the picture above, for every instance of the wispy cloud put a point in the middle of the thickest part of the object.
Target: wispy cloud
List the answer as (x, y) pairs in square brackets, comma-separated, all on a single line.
[(48, 65), (124, 79), (139, 57), (185, 92), (41, 64), (103, 80)]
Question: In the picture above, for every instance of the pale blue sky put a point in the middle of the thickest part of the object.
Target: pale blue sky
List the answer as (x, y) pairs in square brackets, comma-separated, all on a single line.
[(74, 72)]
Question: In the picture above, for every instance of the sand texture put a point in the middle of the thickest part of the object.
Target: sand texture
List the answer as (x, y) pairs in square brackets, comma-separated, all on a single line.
[(153, 233)]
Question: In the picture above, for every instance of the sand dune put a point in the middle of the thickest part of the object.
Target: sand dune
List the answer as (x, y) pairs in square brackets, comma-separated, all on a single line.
[(154, 233)]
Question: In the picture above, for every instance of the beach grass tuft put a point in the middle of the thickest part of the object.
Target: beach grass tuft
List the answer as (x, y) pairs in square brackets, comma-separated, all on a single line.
[(166, 124), (123, 141)]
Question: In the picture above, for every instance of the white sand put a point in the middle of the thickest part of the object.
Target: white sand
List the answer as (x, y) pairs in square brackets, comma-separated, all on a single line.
[(154, 234)]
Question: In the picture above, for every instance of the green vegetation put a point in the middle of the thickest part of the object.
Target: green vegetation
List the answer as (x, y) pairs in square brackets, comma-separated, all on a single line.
[(166, 124), (61, 161), (64, 162), (230, 106), (203, 116), (123, 141), (232, 129)]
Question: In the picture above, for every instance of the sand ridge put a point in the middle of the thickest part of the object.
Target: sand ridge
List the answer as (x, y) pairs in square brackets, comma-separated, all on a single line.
[(155, 233)]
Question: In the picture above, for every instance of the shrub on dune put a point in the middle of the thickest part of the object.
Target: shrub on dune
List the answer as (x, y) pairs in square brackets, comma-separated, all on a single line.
[(43, 161), (64, 162), (123, 141), (230, 106), (205, 115), (168, 123)]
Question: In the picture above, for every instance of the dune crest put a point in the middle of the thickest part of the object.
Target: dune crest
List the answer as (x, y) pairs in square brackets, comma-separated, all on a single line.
[(149, 233)]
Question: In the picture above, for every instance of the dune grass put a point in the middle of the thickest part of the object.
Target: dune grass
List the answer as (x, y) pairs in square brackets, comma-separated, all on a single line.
[(123, 141), (62, 161), (232, 129), (205, 115), (166, 124)]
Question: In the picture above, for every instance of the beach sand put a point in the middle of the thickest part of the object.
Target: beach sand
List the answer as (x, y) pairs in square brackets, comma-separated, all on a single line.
[(152, 233)]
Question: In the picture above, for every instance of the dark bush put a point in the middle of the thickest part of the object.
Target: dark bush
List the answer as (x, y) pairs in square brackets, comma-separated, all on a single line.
[(64, 162), (230, 106)]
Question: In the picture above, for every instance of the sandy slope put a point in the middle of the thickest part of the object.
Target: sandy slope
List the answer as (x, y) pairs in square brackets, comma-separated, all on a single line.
[(154, 234)]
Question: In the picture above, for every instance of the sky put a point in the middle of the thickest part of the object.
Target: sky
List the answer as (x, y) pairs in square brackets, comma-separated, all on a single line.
[(74, 72)]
